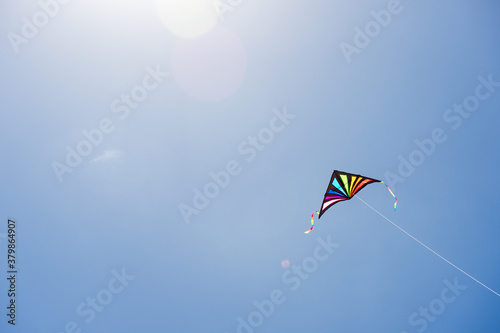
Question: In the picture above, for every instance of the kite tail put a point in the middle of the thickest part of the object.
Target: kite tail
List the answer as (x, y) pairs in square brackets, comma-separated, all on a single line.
[(395, 204), (312, 223)]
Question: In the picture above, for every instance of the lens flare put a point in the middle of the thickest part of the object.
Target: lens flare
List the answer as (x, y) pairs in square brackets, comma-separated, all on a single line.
[(187, 18), (285, 263)]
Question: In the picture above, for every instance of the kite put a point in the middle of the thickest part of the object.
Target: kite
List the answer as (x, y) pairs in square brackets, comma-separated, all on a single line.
[(343, 186)]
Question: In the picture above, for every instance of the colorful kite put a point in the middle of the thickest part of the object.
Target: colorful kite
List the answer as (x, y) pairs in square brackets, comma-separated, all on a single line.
[(343, 186)]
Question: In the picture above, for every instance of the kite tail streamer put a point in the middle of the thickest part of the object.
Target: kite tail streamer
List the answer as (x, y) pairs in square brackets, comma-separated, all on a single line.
[(395, 204), (312, 223)]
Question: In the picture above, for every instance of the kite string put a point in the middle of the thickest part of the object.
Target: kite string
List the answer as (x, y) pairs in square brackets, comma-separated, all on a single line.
[(428, 248)]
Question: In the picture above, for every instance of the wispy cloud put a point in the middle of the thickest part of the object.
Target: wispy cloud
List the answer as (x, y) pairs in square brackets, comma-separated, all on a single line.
[(108, 154)]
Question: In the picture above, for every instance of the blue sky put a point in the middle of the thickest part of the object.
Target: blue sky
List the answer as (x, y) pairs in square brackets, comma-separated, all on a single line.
[(212, 97)]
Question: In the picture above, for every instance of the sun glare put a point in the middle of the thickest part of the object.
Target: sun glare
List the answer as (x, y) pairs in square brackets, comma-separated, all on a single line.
[(187, 18)]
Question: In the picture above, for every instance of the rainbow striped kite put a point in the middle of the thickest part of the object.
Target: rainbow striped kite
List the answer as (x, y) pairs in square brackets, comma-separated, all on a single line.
[(343, 186)]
